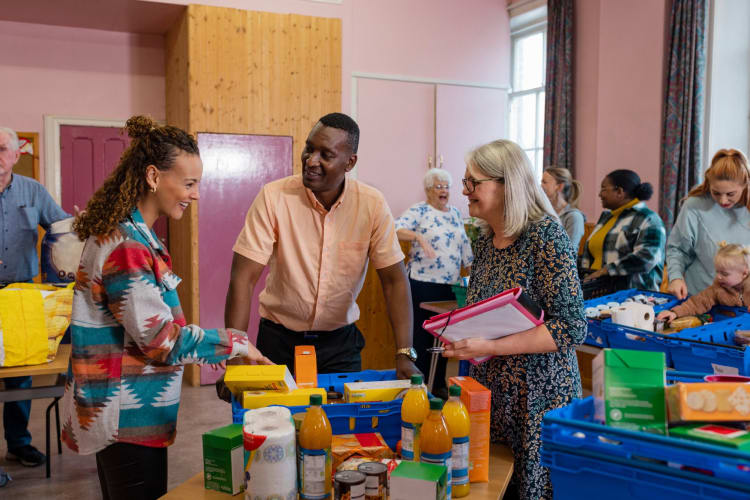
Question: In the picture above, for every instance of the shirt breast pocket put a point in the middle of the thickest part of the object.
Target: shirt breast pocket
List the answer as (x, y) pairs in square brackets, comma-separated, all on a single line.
[(29, 218), (352, 257)]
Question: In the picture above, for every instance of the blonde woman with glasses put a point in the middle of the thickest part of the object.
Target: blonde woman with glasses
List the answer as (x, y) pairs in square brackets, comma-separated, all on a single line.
[(439, 247), (522, 245)]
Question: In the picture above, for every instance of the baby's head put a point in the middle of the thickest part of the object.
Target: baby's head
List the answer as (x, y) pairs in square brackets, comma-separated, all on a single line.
[(732, 264)]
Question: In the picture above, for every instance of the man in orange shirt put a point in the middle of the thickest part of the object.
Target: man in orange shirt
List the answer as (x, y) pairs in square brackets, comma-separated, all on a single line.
[(316, 232)]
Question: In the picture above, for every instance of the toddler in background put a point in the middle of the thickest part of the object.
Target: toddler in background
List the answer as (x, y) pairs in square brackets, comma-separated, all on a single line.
[(730, 288)]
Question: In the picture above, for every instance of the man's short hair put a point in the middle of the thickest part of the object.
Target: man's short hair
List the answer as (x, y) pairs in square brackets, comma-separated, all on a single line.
[(12, 135), (345, 123)]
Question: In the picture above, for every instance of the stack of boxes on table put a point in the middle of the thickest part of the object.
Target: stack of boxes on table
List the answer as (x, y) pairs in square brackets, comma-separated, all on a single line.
[(357, 453)]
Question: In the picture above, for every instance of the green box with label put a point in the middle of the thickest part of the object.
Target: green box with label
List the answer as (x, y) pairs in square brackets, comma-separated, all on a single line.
[(224, 460), (628, 390)]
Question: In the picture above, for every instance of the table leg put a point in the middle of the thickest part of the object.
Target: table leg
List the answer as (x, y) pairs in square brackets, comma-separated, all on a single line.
[(57, 421), (47, 421)]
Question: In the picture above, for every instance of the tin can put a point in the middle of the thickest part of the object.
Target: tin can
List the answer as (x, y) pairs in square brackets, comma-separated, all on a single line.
[(349, 485), (376, 486)]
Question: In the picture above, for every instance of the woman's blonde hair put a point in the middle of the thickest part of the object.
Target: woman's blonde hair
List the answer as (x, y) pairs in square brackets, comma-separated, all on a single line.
[(731, 254), (571, 190), (126, 185), (525, 202), (726, 165)]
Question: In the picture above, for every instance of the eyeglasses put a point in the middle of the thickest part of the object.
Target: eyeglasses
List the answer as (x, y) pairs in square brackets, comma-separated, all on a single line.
[(471, 184), (441, 186)]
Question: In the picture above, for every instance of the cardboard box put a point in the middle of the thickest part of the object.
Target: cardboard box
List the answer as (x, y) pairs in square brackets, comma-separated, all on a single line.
[(721, 435), (628, 389), (298, 397), (379, 390), (223, 459), (709, 402), (239, 378), (305, 366), (369, 445), (478, 401), (419, 481)]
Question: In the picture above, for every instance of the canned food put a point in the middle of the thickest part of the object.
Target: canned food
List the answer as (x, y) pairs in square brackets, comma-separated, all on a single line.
[(376, 486), (349, 485)]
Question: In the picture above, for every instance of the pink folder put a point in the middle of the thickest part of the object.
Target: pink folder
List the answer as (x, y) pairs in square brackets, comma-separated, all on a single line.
[(506, 313)]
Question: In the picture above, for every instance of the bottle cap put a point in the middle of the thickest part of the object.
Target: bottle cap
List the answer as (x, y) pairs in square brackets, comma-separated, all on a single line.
[(316, 399), (416, 379), (436, 404), (455, 390)]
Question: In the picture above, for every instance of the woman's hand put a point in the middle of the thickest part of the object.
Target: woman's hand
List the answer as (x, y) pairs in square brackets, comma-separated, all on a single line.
[(470, 348), (596, 274), (666, 315), (255, 357), (678, 288), (429, 252)]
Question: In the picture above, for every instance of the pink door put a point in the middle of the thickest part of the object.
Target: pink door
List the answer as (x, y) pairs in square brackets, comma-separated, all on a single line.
[(87, 156), (235, 167)]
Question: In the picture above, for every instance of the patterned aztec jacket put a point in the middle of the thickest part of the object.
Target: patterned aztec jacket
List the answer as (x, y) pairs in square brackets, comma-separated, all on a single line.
[(634, 247), (129, 341)]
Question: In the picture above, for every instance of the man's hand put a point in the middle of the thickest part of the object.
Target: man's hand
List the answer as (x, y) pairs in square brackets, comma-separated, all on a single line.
[(405, 367), (678, 288)]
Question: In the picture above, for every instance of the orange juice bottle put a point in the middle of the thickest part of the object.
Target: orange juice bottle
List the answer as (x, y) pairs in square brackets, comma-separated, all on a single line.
[(414, 409), (314, 455), (436, 443), (459, 425)]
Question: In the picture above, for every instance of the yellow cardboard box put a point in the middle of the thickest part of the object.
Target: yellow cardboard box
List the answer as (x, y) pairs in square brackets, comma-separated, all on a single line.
[(239, 378), (380, 390), (298, 397)]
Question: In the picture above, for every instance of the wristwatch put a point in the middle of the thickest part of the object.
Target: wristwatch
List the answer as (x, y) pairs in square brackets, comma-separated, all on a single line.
[(409, 352)]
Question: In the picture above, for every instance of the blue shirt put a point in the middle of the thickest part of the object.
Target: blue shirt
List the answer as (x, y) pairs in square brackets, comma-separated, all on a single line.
[(24, 205), (445, 232)]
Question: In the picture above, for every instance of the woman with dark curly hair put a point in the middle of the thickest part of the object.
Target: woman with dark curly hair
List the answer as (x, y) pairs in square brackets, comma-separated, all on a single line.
[(129, 334)]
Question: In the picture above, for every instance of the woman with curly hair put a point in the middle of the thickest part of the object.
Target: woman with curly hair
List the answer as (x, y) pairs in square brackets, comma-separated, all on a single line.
[(129, 334)]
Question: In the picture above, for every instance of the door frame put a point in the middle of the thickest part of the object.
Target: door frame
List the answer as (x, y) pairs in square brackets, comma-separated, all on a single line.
[(52, 124)]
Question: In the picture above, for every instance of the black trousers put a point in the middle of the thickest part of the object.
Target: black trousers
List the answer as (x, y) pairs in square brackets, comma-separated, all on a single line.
[(422, 291), (336, 350), (129, 471)]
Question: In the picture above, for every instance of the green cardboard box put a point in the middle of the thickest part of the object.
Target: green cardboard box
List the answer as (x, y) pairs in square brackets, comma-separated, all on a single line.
[(419, 481), (629, 390), (224, 460), (715, 434)]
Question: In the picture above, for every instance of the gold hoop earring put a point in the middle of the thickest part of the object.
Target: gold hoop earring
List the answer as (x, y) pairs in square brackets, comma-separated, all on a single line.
[(153, 189)]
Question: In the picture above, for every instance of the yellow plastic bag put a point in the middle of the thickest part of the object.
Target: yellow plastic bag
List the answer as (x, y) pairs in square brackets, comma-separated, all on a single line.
[(33, 320)]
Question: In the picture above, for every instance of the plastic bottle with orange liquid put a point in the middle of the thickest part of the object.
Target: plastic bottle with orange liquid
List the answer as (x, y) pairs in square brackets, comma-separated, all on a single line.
[(435, 442), (459, 426), (314, 455), (414, 410)]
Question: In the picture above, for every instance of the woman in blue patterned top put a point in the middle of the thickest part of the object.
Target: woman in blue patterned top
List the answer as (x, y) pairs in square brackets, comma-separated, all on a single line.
[(439, 247), (522, 245)]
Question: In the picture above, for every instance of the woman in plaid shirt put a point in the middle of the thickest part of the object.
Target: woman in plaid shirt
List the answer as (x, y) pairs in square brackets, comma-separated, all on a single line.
[(629, 239)]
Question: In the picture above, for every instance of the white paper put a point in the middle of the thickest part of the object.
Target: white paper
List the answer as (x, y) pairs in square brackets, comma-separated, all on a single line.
[(493, 324)]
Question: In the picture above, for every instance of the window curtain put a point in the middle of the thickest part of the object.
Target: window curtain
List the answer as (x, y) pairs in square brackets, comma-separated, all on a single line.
[(682, 137), (558, 105)]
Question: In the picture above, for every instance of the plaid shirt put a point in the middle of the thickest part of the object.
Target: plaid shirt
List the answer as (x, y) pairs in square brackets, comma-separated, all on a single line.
[(634, 247)]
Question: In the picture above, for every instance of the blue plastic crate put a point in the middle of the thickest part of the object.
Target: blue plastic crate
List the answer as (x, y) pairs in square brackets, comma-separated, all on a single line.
[(337, 380), (571, 429), (577, 477), (598, 333), (674, 376)]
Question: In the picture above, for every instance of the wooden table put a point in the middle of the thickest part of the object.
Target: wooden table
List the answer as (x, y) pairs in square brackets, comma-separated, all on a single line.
[(59, 367), (501, 469)]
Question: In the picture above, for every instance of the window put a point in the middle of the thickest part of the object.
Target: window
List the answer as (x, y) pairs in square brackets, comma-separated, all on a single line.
[(526, 99)]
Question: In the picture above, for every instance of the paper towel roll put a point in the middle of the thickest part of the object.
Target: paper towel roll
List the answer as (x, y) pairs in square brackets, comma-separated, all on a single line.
[(273, 473), (634, 315)]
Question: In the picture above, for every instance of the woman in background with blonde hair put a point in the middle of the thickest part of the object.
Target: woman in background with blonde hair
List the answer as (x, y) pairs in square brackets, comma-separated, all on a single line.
[(522, 245), (716, 210), (564, 192)]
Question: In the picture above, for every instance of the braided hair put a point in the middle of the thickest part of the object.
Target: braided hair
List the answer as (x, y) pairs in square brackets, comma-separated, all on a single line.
[(126, 186)]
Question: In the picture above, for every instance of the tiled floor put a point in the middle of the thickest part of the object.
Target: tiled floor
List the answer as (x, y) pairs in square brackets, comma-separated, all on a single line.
[(74, 476)]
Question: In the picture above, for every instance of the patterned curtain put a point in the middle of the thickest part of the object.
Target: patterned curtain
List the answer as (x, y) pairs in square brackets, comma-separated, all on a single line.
[(558, 104), (682, 139)]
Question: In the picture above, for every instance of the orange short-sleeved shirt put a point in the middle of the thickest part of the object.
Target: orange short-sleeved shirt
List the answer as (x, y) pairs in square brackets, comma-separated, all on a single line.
[(317, 258)]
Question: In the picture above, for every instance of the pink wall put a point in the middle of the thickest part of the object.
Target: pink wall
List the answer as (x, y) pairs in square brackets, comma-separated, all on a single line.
[(619, 92), (77, 72)]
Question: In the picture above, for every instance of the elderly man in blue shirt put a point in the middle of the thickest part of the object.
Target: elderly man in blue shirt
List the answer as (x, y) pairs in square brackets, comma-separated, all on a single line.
[(24, 205)]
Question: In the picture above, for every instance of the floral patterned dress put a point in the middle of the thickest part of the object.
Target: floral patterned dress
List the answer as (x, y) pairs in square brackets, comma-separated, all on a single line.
[(524, 387)]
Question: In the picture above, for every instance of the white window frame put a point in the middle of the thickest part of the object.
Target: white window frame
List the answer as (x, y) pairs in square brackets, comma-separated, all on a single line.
[(516, 35)]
